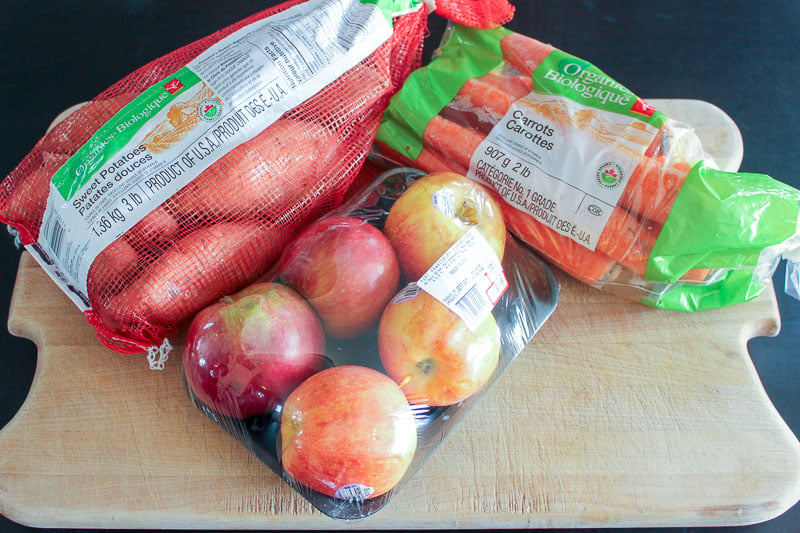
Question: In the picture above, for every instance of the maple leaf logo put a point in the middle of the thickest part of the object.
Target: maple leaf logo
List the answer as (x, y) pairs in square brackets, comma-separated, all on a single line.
[(174, 85)]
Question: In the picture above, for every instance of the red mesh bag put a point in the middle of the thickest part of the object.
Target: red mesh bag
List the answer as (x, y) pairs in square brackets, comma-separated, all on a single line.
[(226, 226)]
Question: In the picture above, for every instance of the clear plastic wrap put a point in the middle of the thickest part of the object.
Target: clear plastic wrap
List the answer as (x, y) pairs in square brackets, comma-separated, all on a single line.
[(604, 185), (347, 393)]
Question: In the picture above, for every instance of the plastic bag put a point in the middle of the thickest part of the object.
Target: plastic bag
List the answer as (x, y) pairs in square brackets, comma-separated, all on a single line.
[(183, 181), (608, 188), (348, 415)]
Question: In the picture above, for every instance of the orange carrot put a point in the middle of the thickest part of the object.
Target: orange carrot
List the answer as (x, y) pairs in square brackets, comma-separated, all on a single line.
[(516, 86), (452, 140), (478, 94), (576, 260), (653, 187), (627, 241), (482, 102), (428, 160), (623, 238), (524, 53)]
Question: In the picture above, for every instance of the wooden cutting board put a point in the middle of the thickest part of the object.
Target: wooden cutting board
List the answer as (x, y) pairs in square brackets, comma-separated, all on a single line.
[(615, 415)]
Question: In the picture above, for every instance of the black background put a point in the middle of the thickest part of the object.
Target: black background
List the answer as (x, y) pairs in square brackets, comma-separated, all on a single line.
[(740, 55)]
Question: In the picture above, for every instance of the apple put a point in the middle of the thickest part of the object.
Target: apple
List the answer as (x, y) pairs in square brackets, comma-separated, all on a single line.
[(247, 352), (348, 432), (434, 213), (346, 269), (431, 353)]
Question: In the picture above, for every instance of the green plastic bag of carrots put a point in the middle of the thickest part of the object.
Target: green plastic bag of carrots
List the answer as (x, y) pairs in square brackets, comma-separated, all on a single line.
[(608, 188)]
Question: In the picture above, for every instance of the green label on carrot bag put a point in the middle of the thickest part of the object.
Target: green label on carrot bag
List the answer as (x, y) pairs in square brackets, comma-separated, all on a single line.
[(563, 74)]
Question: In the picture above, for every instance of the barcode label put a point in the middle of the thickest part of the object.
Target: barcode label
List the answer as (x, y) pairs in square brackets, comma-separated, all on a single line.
[(406, 293), (472, 303), (55, 231), (354, 492), (468, 279)]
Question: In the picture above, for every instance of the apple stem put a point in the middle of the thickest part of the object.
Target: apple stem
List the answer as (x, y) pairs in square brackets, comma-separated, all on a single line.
[(426, 365), (468, 213)]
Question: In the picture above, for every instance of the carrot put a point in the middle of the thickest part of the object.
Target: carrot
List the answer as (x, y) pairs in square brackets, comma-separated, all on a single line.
[(482, 102), (653, 187), (479, 95), (264, 176), (197, 270), (524, 53), (452, 140), (576, 260), (624, 239), (428, 160), (515, 85)]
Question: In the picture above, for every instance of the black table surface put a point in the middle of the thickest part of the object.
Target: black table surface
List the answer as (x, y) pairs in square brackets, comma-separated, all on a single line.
[(739, 54)]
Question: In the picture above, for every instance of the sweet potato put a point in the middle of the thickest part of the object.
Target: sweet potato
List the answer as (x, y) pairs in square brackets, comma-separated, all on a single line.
[(197, 270), (265, 176)]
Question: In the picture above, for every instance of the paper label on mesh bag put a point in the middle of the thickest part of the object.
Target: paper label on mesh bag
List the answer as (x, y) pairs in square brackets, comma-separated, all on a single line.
[(468, 279), (182, 125)]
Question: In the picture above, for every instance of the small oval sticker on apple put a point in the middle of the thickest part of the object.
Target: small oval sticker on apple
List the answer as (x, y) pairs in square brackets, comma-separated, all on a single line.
[(445, 201), (354, 492)]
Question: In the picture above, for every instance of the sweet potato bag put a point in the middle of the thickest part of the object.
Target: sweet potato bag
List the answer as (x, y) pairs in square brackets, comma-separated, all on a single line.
[(183, 181), (608, 188)]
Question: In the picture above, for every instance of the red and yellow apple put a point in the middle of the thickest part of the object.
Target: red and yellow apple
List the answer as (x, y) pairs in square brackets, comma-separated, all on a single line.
[(348, 432), (346, 269), (247, 352), (434, 213), (431, 353)]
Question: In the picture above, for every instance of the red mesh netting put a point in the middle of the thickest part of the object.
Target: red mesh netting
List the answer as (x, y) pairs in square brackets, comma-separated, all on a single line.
[(478, 14), (228, 226)]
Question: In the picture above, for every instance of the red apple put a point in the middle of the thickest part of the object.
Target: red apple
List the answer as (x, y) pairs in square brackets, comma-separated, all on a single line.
[(434, 213), (247, 352), (346, 269), (431, 353), (348, 432)]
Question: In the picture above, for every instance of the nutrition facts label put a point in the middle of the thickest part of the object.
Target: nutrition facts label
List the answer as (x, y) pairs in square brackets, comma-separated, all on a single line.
[(182, 125)]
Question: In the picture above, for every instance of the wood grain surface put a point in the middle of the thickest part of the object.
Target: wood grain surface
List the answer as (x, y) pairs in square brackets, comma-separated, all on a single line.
[(615, 415)]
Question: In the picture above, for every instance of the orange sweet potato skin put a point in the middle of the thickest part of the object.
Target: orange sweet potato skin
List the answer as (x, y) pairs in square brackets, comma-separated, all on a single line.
[(262, 177), (196, 271)]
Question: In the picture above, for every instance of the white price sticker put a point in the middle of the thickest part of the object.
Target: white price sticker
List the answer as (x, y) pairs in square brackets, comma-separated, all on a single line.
[(468, 279)]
